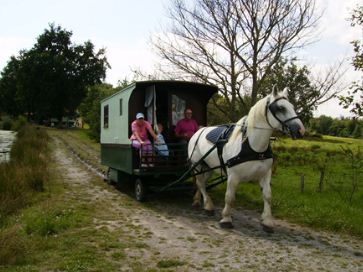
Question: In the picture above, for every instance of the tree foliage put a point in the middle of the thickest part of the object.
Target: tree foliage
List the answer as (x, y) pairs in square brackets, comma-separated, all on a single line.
[(51, 78), (233, 44), (337, 127), (303, 93), (354, 99), (90, 108)]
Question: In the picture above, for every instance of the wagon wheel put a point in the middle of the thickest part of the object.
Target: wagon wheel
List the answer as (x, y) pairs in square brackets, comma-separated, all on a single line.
[(140, 190), (108, 177)]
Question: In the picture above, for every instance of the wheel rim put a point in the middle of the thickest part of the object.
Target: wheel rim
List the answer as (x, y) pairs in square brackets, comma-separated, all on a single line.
[(109, 176), (138, 191)]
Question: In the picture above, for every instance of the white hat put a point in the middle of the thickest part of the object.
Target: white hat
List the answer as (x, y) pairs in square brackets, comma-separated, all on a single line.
[(140, 115)]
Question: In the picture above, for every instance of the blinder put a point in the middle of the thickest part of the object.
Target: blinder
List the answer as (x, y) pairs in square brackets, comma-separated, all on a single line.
[(293, 129)]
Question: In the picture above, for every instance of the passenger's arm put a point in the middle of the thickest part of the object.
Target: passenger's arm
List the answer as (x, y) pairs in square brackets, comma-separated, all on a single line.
[(153, 134), (138, 137)]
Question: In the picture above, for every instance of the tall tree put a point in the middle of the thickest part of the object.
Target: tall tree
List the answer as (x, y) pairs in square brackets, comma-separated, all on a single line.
[(53, 75), (90, 108), (234, 43), (306, 91), (354, 100), (10, 100)]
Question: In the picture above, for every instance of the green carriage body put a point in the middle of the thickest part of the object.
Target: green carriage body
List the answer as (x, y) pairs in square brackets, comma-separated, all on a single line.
[(160, 101)]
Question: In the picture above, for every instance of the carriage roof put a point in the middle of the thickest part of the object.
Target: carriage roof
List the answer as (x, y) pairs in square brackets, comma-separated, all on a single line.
[(202, 89), (119, 109)]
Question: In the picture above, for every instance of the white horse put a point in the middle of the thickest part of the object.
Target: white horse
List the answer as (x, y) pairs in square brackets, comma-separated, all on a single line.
[(274, 112)]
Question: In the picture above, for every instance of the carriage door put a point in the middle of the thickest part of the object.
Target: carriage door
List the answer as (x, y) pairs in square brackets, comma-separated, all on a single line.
[(150, 105), (177, 109)]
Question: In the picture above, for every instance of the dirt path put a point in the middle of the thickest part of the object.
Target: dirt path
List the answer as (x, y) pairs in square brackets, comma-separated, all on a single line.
[(187, 240)]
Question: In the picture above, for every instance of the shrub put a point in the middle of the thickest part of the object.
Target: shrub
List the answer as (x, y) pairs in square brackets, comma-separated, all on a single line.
[(19, 123), (7, 124)]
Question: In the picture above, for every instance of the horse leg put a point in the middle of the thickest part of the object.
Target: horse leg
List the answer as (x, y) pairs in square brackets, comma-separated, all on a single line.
[(197, 199), (266, 217), (207, 201), (226, 221)]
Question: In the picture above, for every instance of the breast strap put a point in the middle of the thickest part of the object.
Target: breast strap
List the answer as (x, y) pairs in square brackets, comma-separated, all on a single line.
[(248, 154)]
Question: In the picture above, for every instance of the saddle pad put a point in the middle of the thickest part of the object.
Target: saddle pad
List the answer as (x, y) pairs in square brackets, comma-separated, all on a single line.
[(219, 133)]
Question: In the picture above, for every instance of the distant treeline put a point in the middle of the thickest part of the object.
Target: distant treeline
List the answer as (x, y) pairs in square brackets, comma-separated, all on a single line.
[(344, 127)]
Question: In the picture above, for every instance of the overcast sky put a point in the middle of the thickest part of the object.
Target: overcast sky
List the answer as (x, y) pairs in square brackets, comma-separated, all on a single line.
[(124, 28)]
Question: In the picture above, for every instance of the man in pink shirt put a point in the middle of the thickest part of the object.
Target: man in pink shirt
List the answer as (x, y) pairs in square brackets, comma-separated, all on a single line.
[(185, 128)]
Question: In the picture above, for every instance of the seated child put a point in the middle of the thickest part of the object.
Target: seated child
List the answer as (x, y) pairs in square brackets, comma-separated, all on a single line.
[(161, 148)]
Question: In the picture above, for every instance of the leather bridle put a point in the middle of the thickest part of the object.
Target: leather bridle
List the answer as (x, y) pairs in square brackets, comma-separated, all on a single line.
[(272, 108)]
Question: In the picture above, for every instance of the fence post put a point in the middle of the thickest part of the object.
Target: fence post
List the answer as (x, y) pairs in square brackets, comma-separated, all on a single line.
[(302, 183)]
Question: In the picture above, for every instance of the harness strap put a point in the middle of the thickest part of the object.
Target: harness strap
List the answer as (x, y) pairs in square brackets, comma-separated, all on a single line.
[(220, 144), (195, 145)]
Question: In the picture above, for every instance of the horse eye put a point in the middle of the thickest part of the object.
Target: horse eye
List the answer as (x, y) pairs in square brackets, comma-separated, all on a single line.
[(281, 108)]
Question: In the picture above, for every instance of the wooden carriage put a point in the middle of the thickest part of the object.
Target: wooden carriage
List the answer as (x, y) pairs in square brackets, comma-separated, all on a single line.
[(161, 102)]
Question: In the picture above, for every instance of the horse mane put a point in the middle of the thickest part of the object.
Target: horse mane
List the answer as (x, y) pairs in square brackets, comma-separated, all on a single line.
[(237, 129), (256, 113)]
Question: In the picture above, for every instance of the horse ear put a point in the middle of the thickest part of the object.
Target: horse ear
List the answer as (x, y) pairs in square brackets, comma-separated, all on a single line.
[(274, 90), (285, 92)]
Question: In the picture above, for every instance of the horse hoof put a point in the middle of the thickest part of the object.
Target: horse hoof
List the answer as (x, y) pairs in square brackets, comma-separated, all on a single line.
[(209, 212), (196, 206), (226, 225), (267, 229)]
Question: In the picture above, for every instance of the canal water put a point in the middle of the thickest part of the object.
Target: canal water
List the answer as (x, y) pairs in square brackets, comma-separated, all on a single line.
[(6, 140)]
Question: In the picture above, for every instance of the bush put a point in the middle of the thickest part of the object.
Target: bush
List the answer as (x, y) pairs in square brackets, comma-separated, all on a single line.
[(19, 123), (7, 124)]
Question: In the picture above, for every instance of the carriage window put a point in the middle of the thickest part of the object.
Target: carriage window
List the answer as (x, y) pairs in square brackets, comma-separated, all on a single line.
[(105, 116), (120, 106)]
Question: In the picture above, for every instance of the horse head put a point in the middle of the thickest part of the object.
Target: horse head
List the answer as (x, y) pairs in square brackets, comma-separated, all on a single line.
[(280, 114)]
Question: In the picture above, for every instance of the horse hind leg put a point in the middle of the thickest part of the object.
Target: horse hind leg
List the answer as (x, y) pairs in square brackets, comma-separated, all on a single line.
[(207, 201), (197, 199), (266, 217)]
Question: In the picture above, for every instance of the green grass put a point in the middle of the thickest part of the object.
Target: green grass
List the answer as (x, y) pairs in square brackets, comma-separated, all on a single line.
[(170, 263), (26, 173)]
